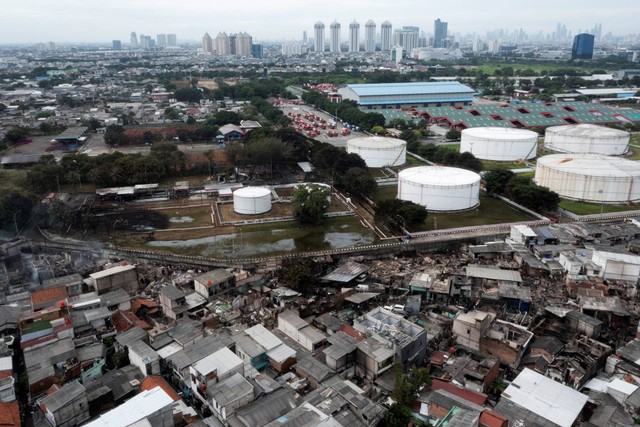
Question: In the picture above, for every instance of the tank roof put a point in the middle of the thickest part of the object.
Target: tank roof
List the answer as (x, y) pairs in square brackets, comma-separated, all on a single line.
[(252, 192), (439, 175), (500, 133), (591, 165), (587, 130), (376, 142)]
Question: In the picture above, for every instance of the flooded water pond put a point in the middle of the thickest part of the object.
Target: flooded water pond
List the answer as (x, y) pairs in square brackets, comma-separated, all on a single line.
[(274, 239)]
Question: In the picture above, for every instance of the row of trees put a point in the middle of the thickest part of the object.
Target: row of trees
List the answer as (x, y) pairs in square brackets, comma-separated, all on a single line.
[(107, 170), (449, 156), (521, 190)]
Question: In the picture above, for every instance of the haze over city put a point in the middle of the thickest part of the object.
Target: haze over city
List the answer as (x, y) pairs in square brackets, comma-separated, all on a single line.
[(33, 21)]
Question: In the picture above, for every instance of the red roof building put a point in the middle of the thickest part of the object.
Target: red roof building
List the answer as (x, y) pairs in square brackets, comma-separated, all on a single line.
[(10, 414), (461, 392), (153, 381), (48, 297), (125, 320)]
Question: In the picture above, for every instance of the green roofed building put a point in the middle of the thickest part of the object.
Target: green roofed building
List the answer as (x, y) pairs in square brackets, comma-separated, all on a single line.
[(517, 115)]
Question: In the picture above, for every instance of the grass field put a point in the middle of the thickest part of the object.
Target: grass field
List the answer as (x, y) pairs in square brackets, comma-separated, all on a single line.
[(583, 208), (385, 192), (13, 180), (490, 211), (490, 68), (633, 154)]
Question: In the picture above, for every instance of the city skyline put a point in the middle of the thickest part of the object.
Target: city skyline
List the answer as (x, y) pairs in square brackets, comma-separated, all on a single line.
[(30, 21)]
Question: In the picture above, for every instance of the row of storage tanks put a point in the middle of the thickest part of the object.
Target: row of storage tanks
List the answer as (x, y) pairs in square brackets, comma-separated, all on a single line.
[(584, 169)]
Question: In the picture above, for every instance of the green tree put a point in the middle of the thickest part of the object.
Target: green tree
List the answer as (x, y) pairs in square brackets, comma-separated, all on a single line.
[(16, 134), (378, 130), (46, 175), (397, 416), (496, 180), (310, 203), (15, 211), (358, 181), (298, 274), (236, 153), (171, 113), (453, 135), (411, 214), (114, 135), (267, 151), (189, 94)]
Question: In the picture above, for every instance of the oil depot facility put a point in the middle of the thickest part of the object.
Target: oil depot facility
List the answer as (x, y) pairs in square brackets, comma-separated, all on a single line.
[(379, 96), (590, 177), (252, 200), (499, 144), (586, 138), (379, 151), (528, 115), (440, 188)]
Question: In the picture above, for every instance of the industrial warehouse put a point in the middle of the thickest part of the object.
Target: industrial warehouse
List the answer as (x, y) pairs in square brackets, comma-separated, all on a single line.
[(408, 95)]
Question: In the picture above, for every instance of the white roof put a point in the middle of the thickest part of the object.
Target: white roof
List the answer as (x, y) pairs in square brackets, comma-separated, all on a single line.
[(376, 142), (439, 175), (252, 192), (525, 230), (222, 361), (500, 133), (591, 165), (112, 270), (264, 337), (281, 353), (138, 407), (545, 397), (6, 364), (614, 256), (587, 131), (168, 350)]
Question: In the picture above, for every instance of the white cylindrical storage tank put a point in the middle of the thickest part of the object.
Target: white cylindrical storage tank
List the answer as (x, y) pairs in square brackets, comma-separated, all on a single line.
[(440, 188), (379, 151), (587, 139), (590, 177), (252, 200), (499, 144)]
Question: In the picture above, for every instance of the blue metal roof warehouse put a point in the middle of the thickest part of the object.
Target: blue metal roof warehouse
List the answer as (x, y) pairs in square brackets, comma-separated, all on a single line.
[(408, 95)]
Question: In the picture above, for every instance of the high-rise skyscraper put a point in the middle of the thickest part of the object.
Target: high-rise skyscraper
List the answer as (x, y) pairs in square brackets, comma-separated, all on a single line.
[(243, 44), (257, 51), (354, 37), (305, 40), (370, 36), (116, 44), (207, 43), (318, 34), (161, 39), (144, 42), (409, 38), (172, 40), (385, 35), (582, 46), (439, 33), (222, 44), (134, 39), (334, 38)]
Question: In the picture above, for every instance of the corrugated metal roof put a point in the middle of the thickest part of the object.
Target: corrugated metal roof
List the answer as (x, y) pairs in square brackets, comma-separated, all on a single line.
[(419, 88), (346, 272), (492, 273), (134, 409), (547, 398)]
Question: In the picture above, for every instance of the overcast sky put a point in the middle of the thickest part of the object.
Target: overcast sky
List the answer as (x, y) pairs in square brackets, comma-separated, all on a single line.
[(32, 21)]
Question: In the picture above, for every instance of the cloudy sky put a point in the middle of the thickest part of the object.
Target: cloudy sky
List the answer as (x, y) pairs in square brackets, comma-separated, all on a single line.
[(31, 21)]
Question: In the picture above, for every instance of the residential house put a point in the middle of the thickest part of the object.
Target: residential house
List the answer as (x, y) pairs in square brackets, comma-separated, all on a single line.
[(299, 330), (144, 357), (73, 283), (155, 406), (229, 395), (535, 400), (213, 282), (213, 369), (66, 407), (173, 302), (114, 278)]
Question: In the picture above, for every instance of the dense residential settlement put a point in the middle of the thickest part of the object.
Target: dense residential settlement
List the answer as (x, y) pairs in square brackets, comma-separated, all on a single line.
[(321, 234)]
